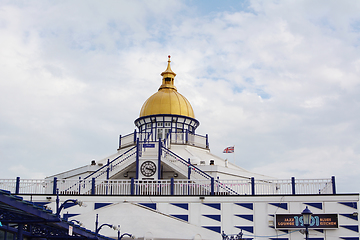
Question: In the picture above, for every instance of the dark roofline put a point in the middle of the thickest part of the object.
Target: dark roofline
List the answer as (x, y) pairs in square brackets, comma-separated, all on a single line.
[(30, 213)]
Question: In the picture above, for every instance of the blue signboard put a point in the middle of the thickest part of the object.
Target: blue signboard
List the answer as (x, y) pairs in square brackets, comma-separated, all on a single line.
[(149, 145)]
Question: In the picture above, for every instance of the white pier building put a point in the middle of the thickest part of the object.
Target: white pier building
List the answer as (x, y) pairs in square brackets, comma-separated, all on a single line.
[(163, 182)]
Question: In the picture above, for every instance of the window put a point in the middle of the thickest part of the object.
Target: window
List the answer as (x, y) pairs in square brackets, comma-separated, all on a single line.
[(148, 125), (166, 132), (168, 124), (160, 133), (160, 124)]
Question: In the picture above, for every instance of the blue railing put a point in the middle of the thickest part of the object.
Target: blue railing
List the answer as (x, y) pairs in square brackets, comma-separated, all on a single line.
[(193, 168), (105, 169)]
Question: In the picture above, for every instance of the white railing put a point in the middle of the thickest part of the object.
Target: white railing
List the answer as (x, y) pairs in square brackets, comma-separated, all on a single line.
[(172, 138), (8, 185), (34, 185), (200, 187), (319, 186), (165, 187), (242, 187), (188, 138), (113, 187), (183, 166), (177, 138), (127, 140), (197, 140), (115, 163), (276, 186), (74, 187), (161, 187), (130, 139)]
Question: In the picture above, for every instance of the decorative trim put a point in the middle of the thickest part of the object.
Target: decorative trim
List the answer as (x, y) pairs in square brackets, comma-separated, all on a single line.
[(246, 205), (214, 217), (280, 205), (100, 205), (315, 205), (149, 205), (213, 205), (181, 205), (349, 204), (246, 228), (213, 228), (354, 228), (351, 216), (246, 216), (182, 217)]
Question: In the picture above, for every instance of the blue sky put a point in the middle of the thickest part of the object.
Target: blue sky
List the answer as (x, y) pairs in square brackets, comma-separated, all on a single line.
[(277, 79)]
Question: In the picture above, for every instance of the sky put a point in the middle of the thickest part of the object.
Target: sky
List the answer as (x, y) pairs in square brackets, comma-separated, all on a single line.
[(279, 80)]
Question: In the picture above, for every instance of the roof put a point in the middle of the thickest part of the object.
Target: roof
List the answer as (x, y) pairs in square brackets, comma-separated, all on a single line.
[(167, 100), (44, 224)]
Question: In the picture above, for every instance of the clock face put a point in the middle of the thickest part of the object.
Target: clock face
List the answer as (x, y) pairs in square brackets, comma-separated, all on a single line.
[(148, 168)]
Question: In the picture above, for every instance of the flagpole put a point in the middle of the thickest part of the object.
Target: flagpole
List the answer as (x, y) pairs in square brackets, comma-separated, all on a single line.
[(234, 155)]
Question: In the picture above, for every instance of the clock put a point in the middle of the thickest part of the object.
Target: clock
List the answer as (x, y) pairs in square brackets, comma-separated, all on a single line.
[(148, 168)]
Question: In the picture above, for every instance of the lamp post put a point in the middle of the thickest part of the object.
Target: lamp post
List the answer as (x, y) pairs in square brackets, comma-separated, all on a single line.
[(306, 214), (76, 221), (232, 237), (59, 208), (124, 234), (97, 229)]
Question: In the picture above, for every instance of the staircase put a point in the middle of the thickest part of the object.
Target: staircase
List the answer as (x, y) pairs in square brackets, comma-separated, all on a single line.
[(104, 173), (149, 150), (196, 175)]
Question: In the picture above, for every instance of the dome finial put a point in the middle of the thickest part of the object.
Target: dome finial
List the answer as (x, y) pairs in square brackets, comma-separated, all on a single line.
[(168, 77)]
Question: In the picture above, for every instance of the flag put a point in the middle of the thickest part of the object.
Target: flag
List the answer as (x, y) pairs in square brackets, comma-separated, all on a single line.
[(229, 150)]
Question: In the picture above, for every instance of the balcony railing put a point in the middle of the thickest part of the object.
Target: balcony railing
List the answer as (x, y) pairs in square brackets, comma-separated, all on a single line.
[(169, 186), (171, 138)]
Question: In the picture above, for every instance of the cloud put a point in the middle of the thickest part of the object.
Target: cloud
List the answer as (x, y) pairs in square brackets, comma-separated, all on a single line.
[(277, 80)]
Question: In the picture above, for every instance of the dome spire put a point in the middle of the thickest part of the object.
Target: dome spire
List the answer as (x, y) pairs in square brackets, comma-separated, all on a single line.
[(168, 77)]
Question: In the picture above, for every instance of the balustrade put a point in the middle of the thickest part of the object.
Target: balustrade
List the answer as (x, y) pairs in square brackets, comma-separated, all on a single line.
[(169, 186)]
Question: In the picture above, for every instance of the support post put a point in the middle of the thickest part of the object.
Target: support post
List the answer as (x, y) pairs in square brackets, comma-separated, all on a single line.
[(293, 185), (17, 187), (119, 141), (93, 186), (135, 136), (187, 136), (207, 141), (172, 186), (132, 186), (79, 185), (57, 204), (96, 224), (189, 168), (108, 169), (212, 186), (252, 186), (333, 184), (137, 159), (20, 231), (159, 159), (55, 186)]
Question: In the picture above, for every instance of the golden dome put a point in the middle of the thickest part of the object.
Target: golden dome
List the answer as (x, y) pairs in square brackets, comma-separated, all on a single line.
[(167, 100)]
